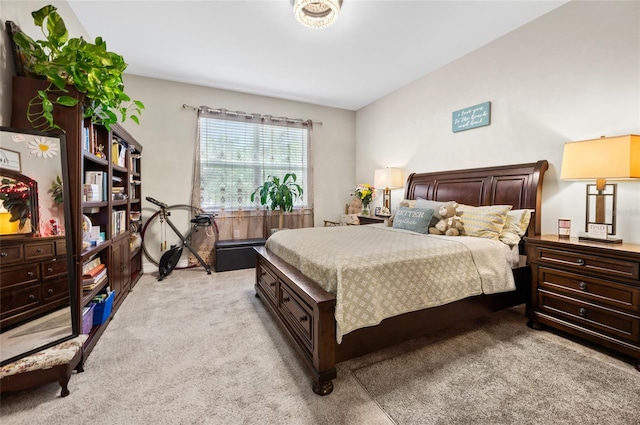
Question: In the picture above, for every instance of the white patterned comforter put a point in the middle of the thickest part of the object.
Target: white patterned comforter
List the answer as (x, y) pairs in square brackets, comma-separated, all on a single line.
[(378, 272)]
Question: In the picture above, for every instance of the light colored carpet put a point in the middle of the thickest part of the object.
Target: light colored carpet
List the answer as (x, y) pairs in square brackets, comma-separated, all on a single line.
[(198, 349), (496, 371)]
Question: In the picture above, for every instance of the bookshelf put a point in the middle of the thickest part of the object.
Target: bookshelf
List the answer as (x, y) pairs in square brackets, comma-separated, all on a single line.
[(106, 190)]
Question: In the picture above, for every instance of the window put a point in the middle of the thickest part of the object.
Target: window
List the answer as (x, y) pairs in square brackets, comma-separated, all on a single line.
[(237, 152)]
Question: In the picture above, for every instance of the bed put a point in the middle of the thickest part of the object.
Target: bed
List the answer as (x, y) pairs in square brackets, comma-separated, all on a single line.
[(306, 311)]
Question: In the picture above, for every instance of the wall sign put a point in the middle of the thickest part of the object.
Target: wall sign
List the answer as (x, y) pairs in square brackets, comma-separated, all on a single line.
[(471, 117), (10, 160)]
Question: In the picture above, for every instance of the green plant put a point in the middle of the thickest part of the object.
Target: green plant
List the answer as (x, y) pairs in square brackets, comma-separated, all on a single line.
[(278, 195), (95, 72), (56, 190)]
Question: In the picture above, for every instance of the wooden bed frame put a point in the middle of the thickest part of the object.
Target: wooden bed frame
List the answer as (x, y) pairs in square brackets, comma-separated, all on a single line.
[(305, 311)]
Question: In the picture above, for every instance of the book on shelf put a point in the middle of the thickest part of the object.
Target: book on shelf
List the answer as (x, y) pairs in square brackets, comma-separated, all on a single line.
[(88, 286), (119, 222), (90, 265), (98, 178), (92, 273), (91, 193)]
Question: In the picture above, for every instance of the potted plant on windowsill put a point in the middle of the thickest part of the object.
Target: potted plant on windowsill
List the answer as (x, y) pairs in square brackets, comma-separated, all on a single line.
[(94, 72), (279, 195)]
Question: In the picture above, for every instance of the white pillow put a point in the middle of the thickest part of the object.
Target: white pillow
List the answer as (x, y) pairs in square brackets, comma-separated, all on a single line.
[(515, 226)]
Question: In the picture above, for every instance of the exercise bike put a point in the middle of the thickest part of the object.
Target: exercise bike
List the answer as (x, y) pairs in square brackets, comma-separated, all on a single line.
[(169, 259)]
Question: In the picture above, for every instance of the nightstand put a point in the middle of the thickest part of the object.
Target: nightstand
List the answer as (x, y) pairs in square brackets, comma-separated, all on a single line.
[(586, 289), (371, 220)]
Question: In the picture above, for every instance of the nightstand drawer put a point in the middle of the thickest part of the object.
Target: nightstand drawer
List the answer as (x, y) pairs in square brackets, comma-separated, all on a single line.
[(602, 320), (596, 291), (603, 266)]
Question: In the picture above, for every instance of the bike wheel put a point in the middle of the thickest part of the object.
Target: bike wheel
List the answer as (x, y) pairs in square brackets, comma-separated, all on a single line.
[(158, 237)]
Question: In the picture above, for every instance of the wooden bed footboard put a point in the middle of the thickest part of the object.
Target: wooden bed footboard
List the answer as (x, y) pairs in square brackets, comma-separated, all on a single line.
[(305, 311)]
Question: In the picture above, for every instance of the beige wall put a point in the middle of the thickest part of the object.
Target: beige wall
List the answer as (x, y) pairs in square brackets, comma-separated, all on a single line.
[(570, 75), (167, 131)]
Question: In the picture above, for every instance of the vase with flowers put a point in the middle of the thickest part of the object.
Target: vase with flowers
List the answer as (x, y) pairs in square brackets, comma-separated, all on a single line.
[(366, 193)]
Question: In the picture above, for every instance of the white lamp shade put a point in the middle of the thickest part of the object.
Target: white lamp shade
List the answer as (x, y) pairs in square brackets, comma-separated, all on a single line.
[(388, 177)]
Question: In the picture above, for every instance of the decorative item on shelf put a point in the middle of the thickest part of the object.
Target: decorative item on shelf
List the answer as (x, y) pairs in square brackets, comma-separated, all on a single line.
[(91, 69), (316, 13), (564, 227), (366, 193), (389, 178), (607, 158), (86, 232), (279, 194), (100, 152), (56, 190)]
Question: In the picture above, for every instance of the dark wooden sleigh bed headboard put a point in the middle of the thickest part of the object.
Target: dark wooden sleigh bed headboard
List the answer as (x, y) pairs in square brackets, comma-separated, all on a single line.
[(518, 185)]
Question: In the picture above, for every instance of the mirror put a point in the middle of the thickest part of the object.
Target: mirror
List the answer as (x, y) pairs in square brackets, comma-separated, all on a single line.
[(37, 301)]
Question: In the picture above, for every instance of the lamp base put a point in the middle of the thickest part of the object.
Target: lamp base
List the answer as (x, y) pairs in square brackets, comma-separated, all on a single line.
[(610, 239)]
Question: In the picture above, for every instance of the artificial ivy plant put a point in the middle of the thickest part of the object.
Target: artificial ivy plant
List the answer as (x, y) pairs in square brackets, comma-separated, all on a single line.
[(90, 68), (279, 195)]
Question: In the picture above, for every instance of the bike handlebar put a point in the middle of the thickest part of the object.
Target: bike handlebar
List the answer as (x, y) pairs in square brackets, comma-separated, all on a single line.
[(155, 201)]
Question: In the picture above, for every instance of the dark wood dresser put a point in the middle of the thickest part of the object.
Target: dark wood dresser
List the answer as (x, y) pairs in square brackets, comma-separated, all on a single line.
[(33, 279), (587, 289)]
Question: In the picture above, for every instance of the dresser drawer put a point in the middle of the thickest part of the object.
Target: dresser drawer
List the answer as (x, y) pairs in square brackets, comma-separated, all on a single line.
[(267, 282), (54, 290), (599, 319), (38, 251), (18, 276), (10, 254), (61, 248), (596, 291), (297, 314), (18, 300), (603, 266), (55, 267)]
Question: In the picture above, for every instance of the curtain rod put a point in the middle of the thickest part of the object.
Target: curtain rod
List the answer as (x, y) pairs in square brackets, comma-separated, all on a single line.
[(253, 115)]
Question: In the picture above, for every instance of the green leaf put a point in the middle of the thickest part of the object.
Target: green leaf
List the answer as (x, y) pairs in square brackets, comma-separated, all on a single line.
[(67, 101), (136, 120)]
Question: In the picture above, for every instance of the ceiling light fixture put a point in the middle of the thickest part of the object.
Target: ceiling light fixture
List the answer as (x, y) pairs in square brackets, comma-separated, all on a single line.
[(316, 13)]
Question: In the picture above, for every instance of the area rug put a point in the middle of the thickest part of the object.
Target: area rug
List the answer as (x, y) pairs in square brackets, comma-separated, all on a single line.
[(498, 371)]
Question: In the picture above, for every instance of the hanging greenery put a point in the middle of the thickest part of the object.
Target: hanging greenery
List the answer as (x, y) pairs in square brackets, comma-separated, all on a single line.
[(90, 68)]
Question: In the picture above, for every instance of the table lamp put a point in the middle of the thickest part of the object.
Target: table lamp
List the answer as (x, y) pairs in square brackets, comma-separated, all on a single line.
[(607, 158), (387, 178)]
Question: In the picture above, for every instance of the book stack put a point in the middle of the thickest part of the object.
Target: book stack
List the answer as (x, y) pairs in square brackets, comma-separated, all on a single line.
[(99, 179), (94, 273), (117, 193)]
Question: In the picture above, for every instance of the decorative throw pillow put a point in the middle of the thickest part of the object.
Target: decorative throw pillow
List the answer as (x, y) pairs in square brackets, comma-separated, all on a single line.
[(515, 226), (434, 205), (414, 219), (483, 222)]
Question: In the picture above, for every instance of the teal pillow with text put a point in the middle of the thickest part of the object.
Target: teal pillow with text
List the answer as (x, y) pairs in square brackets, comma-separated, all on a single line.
[(413, 219)]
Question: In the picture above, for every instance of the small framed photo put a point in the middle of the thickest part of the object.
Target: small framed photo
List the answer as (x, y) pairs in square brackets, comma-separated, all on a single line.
[(377, 210)]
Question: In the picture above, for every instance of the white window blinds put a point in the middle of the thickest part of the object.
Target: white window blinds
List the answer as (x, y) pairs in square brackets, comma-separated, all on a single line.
[(238, 152)]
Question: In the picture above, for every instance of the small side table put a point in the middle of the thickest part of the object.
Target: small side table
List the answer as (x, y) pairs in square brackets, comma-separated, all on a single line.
[(371, 220)]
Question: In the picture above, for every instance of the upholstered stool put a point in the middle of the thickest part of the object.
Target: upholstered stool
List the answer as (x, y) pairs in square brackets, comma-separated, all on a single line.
[(49, 365)]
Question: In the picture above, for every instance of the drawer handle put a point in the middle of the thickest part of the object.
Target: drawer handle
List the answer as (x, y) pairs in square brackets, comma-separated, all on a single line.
[(32, 297), (4, 254), (286, 299), (304, 318), (39, 250), (49, 269), (580, 262), (583, 286), (30, 274), (50, 291), (582, 311), (272, 284)]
